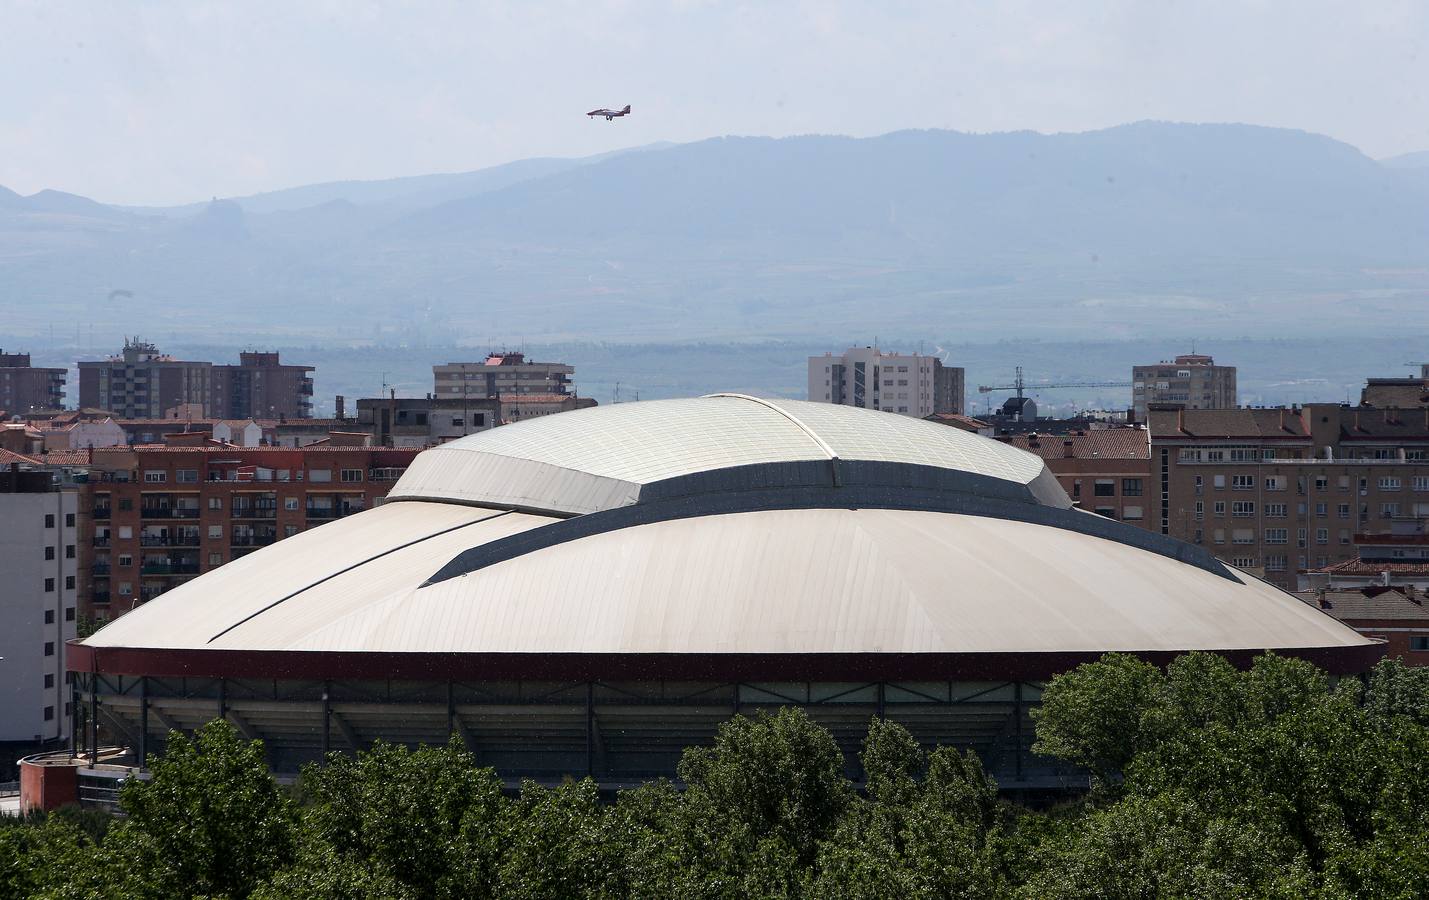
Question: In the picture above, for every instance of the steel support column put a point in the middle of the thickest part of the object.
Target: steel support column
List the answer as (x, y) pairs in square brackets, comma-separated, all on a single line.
[(590, 728), (327, 720), (93, 717), (143, 721)]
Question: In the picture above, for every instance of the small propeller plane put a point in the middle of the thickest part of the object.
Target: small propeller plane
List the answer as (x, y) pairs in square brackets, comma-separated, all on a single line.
[(610, 113)]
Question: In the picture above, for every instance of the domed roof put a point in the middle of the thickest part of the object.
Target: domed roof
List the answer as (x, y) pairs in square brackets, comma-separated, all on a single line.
[(713, 537), (610, 456)]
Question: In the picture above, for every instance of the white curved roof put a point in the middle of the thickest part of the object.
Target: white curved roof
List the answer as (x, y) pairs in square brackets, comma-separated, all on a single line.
[(725, 525), (603, 457), (783, 581)]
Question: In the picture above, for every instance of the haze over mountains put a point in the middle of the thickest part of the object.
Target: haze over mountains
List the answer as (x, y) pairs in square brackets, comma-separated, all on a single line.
[(1124, 232)]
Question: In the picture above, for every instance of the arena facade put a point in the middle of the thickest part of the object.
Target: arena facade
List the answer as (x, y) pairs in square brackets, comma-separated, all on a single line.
[(591, 592)]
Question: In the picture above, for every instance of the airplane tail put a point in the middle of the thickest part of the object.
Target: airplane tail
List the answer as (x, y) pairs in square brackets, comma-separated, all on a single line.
[(626, 109)]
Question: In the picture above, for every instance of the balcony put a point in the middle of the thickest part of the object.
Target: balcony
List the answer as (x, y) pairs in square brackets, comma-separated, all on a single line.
[(323, 512), (181, 539), (168, 512), (99, 569), (100, 512), (254, 540), (99, 597), (167, 567), (101, 541)]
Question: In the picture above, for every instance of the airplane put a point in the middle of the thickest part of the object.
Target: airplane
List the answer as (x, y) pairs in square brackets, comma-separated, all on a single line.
[(610, 113)]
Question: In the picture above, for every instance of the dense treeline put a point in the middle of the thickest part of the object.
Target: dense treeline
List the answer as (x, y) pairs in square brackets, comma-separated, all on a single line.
[(1207, 782)]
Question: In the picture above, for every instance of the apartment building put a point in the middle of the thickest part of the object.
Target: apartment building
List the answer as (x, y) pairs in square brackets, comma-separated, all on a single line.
[(907, 383), (156, 516), (262, 387), (501, 374), (417, 422), (1284, 490), (142, 383), (1192, 380), (24, 388), (1395, 615), (39, 538), (1106, 471)]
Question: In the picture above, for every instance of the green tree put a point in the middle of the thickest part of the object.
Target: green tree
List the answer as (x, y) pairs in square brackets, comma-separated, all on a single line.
[(211, 822), (1092, 715)]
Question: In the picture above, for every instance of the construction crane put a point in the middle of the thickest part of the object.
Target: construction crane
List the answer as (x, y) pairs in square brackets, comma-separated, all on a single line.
[(1019, 385)]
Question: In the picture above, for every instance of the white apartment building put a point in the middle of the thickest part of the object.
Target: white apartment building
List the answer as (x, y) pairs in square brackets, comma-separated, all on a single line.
[(38, 562), (909, 384)]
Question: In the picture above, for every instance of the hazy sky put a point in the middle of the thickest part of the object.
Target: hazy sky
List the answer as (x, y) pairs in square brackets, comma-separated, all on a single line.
[(158, 102)]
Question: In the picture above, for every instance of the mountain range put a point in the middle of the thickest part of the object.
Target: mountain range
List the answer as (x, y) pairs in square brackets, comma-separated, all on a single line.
[(1127, 231)]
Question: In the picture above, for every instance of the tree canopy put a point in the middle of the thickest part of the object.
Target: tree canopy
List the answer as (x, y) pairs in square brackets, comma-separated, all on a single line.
[(1206, 782)]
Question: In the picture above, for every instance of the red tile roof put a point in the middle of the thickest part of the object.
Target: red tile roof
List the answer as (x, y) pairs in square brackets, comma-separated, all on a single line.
[(9, 456), (1361, 568), (1101, 443)]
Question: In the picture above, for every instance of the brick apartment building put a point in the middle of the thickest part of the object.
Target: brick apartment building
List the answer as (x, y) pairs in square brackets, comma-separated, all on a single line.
[(1105, 470), (142, 383), (24, 388), (1288, 489), (155, 516)]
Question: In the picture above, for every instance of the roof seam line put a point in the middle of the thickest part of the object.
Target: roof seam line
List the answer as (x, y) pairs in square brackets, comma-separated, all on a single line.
[(426, 537), (798, 423)]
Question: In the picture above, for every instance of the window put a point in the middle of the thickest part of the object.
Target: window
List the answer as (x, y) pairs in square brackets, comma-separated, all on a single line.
[(1388, 510), (1418, 642), (1131, 487), (290, 503), (458, 421), (1218, 536), (49, 648), (126, 559), (1275, 563), (1131, 513), (1104, 487), (1390, 484), (1322, 482), (320, 475), (126, 503), (1343, 511), (155, 476), (479, 420), (1344, 536), (49, 679), (1421, 483), (49, 713), (69, 582), (49, 585), (1322, 510), (215, 531), (49, 617), (1275, 482), (1218, 482), (49, 520), (1275, 510), (1200, 510), (1243, 536), (69, 551), (1219, 507), (1277, 535), (186, 476), (125, 589), (69, 520), (69, 613), (215, 559), (289, 530), (49, 553), (1242, 482), (1243, 562), (1077, 488), (1322, 535), (1107, 511), (1242, 509)]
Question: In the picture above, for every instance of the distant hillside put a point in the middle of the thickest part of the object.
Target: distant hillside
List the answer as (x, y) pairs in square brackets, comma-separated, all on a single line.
[(1123, 232)]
